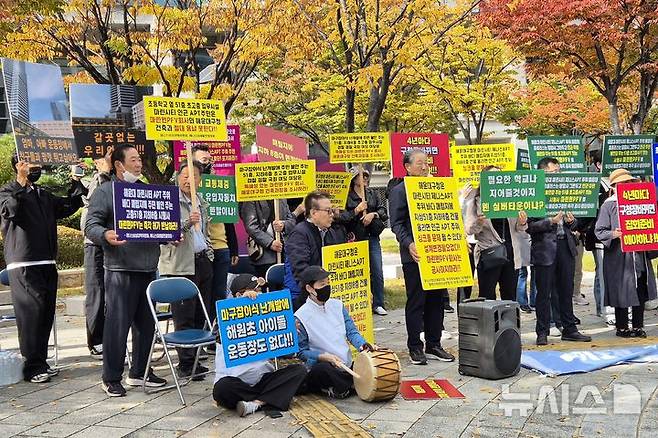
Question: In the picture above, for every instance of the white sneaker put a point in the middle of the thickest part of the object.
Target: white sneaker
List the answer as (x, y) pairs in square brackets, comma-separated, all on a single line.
[(245, 408), (651, 305), (580, 300), (422, 336), (555, 332), (446, 335), (379, 310)]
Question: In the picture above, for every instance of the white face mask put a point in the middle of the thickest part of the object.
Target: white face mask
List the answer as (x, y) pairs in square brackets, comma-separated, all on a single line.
[(130, 178)]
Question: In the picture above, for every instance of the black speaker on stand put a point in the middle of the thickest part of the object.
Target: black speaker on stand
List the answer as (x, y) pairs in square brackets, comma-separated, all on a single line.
[(489, 338)]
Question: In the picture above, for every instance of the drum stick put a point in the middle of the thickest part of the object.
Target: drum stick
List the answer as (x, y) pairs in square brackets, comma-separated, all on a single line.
[(349, 370)]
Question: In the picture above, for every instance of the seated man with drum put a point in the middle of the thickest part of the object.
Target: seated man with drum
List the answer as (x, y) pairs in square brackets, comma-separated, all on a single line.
[(324, 328), (257, 385)]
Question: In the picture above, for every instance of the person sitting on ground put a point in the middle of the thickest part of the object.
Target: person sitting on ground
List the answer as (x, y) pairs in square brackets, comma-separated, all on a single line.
[(257, 385), (324, 326)]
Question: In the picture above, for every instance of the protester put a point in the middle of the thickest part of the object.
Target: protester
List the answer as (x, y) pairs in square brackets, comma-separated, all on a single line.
[(129, 268), (365, 220), (29, 231), (497, 251), (256, 385), (579, 233), (424, 309), (629, 277), (553, 252), (223, 239), (93, 262), (324, 328), (192, 259), (304, 244), (261, 226)]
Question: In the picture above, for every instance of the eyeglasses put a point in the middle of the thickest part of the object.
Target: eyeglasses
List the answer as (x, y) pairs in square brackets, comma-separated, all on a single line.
[(329, 211), (366, 176)]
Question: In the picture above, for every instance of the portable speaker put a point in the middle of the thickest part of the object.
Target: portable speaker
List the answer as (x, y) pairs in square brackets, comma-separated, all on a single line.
[(489, 338)]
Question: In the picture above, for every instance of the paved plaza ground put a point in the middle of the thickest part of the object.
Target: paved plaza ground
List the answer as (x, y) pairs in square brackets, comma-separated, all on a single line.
[(73, 404)]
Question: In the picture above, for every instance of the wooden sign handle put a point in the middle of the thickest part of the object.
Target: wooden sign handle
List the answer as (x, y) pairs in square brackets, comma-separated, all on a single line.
[(277, 235), (190, 175)]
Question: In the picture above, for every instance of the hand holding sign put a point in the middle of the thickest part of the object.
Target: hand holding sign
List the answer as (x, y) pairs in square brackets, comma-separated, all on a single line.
[(113, 238), (276, 246), (278, 226), (195, 218), (523, 218), (558, 217), (616, 233), (570, 218), (414, 252)]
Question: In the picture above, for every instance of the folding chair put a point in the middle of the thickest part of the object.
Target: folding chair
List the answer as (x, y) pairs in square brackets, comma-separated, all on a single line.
[(169, 290), (4, 279), (274, 277)]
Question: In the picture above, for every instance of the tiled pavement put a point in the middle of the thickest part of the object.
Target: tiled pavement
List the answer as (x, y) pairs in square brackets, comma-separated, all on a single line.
[(74, 405)]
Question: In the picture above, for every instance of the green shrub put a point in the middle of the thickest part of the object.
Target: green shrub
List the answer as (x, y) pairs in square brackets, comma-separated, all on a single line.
[(71, 249), (72, 221), (7, 149)]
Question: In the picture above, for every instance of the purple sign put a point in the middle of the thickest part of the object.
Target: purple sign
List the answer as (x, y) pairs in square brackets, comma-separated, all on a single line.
[(144, 212), (224, 153)]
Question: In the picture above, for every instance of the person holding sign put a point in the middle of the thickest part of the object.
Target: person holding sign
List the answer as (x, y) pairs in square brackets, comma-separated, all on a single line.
[(29, 217), (497, 253), (256, 385), (129, 268), (553, 253), (324, 327), (628, 276), (424, 310), (192, 259), (365, 219), (304, 245)]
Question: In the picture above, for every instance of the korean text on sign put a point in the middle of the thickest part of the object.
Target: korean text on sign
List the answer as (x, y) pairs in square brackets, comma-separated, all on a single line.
[(504, 194), (435, 147), (630, 152), (359, 147), (467, 161), (276, 145), (638, 218), (350, 282), (224, 154), (438, 232), (256, 329), (173, 118), (274, 180), (337, 185), (219, 193), (145, 212), (567, 149), (576, 193)]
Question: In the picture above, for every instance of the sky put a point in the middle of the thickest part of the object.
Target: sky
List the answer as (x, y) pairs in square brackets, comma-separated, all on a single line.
[(44, 85)]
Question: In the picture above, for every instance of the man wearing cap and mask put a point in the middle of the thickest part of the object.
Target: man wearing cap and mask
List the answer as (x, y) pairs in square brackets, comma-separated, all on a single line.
[(365, 220), (29, 229), (324, 328), (256, 385)]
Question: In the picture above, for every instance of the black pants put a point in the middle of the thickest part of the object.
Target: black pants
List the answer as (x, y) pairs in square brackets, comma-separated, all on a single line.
[(126, 307), (324, 375), (94, 294), (464, 293), (505, 276), (33, 292), (188, 314), (558, 279), (621, 313), (423, 310), (276, 389)]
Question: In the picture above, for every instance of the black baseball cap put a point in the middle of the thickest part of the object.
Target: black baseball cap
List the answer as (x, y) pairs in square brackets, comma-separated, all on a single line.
[(312, 274), (243, 282)]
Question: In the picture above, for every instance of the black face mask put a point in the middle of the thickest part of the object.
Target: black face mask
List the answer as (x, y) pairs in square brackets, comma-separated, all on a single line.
[(207, 168), (34, 175), (323, 293)]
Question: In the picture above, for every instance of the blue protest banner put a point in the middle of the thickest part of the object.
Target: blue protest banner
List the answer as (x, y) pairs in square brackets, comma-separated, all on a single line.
[(256, 329), (555, 363), (144, 212)]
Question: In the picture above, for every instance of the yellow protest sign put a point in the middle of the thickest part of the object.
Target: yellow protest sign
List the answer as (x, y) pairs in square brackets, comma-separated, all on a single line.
[(468, 160), (362, 147), (336, 184), (274, 180), (350, 282), (438, 231), (174, 118)]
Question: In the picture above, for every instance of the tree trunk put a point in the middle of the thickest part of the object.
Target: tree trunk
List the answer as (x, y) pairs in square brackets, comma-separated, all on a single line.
[(350, 95), (614, 117), (377, 98)]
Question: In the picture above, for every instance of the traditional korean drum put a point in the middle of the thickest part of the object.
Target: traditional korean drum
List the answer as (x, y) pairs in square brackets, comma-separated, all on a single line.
[(379, 375)]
